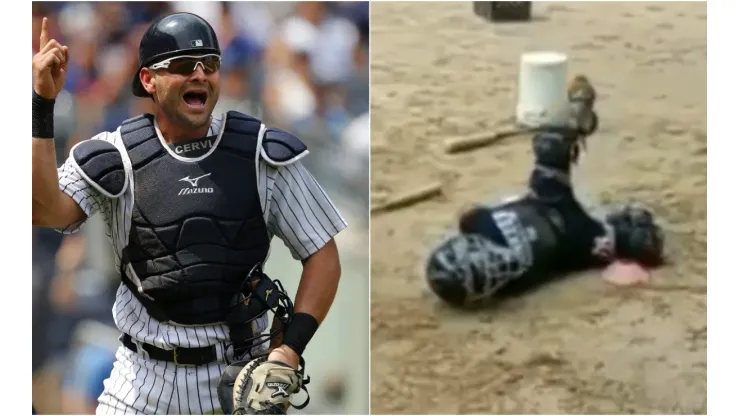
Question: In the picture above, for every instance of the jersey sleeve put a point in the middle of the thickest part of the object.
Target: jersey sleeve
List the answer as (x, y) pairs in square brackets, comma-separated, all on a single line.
[(301, 214), (76, 187)]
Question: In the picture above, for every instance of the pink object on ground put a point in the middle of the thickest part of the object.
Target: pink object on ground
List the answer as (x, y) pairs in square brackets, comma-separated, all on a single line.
[(623, 273)]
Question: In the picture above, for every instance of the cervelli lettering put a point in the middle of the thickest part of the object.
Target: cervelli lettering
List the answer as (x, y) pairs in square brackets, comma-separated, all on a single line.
[(189, 147)]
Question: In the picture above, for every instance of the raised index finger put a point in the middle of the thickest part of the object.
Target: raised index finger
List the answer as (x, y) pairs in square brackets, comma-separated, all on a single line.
[(44, 38)]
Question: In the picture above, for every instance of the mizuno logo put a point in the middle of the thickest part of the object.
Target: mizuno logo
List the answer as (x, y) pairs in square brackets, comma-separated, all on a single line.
[(194, 183), (279, 389)]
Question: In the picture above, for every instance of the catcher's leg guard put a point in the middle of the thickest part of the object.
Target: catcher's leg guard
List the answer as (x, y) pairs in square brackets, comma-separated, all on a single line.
[(554, 153)]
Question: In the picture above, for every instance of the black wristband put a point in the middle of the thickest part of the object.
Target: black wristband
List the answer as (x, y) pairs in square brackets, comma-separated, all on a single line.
[(300, 331), (42, 118)]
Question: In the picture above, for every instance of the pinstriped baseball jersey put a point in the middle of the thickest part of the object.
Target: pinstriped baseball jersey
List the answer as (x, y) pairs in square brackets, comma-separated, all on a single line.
[(296, 209)]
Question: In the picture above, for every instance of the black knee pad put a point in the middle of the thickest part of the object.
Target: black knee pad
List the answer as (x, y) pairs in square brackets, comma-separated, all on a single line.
[(554, 148)]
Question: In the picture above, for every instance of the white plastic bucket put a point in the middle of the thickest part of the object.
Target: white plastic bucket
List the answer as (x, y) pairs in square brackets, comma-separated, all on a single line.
[(543, 89)]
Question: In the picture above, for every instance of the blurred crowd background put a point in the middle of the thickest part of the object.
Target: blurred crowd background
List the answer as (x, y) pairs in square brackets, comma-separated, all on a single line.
[(301, 66)]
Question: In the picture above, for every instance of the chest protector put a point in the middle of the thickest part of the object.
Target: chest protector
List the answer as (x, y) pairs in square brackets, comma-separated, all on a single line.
[(197, 237), (532, 230), (197, 228)]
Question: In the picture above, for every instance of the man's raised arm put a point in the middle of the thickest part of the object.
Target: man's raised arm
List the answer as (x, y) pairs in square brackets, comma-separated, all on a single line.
[(51, 207)]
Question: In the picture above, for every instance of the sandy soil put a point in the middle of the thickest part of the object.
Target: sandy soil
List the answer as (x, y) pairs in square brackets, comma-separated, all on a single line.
[(576, 346)]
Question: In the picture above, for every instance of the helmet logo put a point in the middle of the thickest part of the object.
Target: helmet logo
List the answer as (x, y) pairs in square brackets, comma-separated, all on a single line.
[(196, 43)]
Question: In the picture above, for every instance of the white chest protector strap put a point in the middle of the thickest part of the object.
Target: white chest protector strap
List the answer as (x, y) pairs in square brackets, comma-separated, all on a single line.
[(101, 164)]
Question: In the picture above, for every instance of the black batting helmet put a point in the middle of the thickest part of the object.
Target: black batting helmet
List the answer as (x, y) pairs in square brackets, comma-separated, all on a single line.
[(637, 235), (173, 35)]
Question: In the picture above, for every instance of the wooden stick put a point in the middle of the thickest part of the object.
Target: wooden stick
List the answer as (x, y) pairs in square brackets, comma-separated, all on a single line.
[(409, 198), (472, 142)]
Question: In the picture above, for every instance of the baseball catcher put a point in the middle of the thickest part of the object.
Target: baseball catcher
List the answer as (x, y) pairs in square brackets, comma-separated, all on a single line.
[(192, 201), (513, 246)]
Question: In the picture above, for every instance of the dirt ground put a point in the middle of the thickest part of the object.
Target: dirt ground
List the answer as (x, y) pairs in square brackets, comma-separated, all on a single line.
[(577, 346)]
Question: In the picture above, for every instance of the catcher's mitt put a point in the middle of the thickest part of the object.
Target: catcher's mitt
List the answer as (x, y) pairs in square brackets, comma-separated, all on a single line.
[(260, 387)]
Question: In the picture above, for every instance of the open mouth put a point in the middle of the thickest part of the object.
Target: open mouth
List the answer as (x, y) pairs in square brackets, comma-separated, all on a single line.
[(195, 98)]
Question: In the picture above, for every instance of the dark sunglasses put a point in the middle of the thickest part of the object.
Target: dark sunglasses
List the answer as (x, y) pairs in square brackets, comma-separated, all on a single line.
[(184, 65)]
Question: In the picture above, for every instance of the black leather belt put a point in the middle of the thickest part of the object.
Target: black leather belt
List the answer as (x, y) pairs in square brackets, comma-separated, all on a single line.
[(179, 356)]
